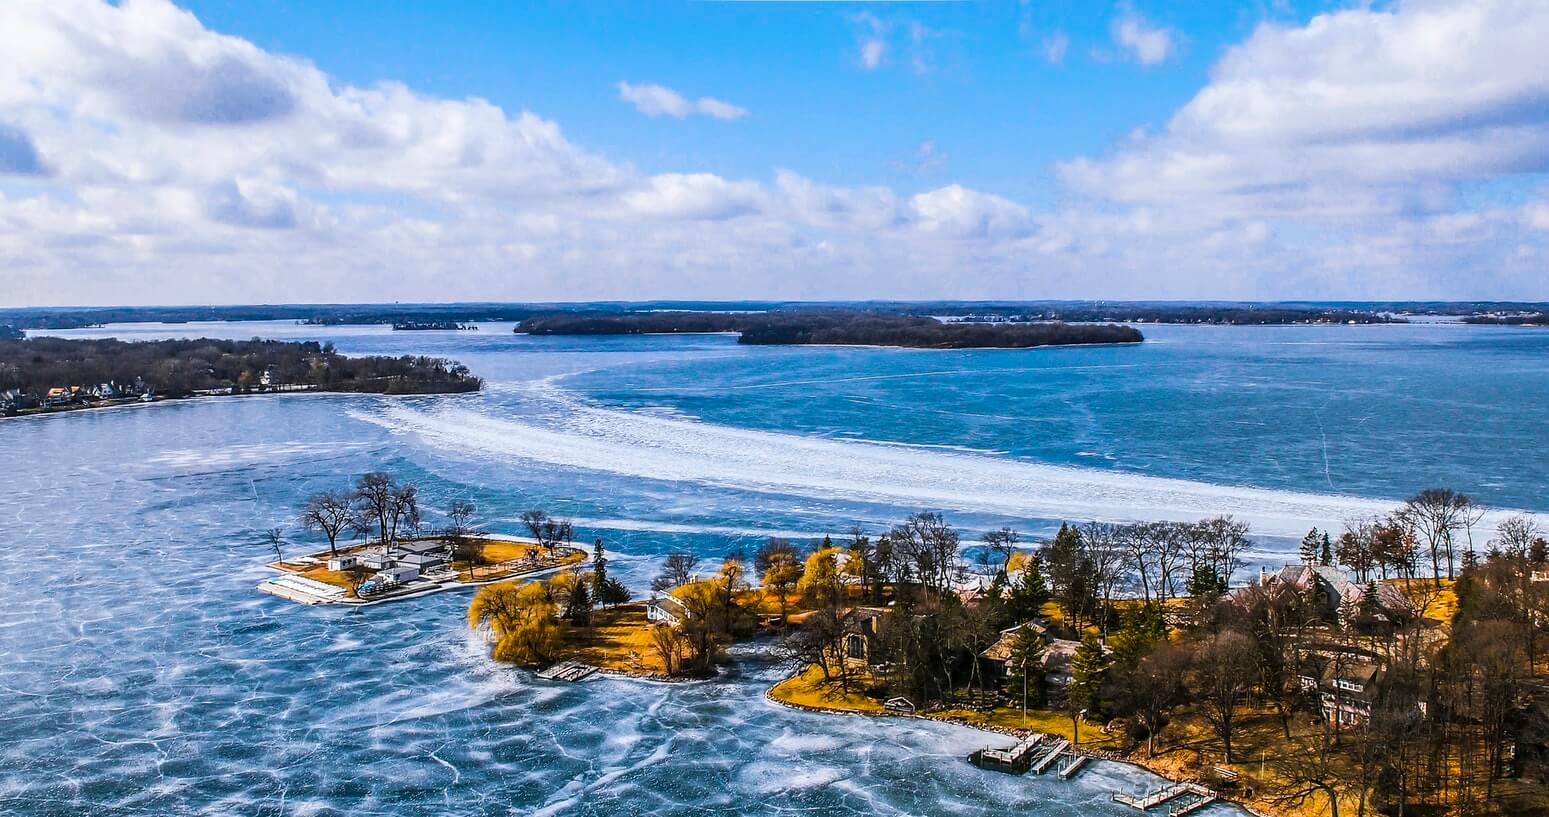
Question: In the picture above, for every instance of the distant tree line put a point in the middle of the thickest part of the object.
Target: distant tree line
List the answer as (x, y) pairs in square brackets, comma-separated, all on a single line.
[(1248, 315), (1526, 319), (176, 368), (844, 327)]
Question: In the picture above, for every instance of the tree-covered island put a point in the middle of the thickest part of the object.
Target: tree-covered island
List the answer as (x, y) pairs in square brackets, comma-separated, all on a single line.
[(836, 327)]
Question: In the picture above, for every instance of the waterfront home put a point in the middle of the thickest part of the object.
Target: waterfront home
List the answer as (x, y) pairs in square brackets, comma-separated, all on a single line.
[(1333, 597), (396, 575), (376, 558), (1346, 685), (666, 610), (863, 628), (1057, 652), (423, 562)]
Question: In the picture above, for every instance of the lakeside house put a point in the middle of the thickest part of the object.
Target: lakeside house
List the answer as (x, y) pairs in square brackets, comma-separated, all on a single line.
[(863, 628), (667, 609), (1334, 596), (1347, 684), (1057, 653)]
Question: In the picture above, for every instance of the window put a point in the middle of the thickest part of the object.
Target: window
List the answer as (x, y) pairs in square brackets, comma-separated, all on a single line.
[(855, 645)]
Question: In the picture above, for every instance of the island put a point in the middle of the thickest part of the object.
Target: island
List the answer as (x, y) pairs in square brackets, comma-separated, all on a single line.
[(44, 374), (433, 326), (834, 327)]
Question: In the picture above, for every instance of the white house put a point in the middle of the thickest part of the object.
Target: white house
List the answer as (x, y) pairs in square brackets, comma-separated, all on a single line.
[(396, 575), (343, 562), (665, 610)]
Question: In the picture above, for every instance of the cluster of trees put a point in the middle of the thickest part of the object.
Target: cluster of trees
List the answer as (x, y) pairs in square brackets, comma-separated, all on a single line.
[(835, 326), (1233, 315), (529, 621), (176, 368), (378, 503)]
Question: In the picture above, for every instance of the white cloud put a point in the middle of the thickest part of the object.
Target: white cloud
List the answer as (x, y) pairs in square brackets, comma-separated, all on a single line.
[(659, 100), (872, 40), (142, 154), (1149, 44), (1055, 47)]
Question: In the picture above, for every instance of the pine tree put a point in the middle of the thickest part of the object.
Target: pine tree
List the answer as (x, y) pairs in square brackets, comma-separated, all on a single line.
[(1024, 667), (599, 569), (1326, 555), (1086, 677), (1309, 548)]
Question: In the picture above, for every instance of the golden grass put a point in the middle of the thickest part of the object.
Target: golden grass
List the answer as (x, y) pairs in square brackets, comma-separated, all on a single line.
[(618, 640), (807, 689)]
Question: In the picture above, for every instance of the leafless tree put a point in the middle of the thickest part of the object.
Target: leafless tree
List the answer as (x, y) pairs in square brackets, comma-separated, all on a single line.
[(1515, 535), (374, 493), (1438, 514), (677, 570), (1223, 674), (276, 538), (331, 512)]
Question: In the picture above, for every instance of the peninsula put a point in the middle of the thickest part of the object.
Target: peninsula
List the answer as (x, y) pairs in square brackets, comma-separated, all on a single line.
[(39, 375)]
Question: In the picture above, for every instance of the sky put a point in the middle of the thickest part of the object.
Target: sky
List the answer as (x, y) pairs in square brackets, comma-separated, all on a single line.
[(224, 151)]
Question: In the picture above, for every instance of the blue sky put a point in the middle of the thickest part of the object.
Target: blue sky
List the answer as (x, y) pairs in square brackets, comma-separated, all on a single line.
[(997, 109), (217, 150)]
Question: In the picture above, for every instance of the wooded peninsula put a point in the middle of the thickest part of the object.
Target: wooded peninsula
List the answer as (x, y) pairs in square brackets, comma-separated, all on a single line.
[(849, 328), (42, 374)]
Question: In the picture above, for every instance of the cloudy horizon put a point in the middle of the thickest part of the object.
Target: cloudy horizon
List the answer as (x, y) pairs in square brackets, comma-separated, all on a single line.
[(149, 155)]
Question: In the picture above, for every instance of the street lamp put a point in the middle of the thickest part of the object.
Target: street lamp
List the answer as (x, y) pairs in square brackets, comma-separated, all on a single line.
[(1077, 724), (1024, 691)]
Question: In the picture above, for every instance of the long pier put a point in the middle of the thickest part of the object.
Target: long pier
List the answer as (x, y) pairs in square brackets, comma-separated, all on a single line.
[(1166, 794)]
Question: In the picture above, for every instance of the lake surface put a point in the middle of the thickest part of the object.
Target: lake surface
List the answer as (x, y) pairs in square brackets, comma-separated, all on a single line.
[(145, 675)]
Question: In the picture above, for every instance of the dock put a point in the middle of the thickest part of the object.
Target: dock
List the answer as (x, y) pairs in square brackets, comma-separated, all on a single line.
[(1042, 765), (567, 671), (1014, 760), (1076, 764), (301, 589), (1173, 792)]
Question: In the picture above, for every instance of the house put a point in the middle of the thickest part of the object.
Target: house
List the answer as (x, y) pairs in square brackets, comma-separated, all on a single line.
[(58, 396), (666, 610), (376, 558), (1336, 597), (1345, 684), (864, 627), (1528, 729), (424, 562), (1057, 652), (419, 546)]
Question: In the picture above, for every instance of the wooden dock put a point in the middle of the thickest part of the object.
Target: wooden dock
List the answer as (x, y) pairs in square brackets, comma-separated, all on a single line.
[(1169, 793), (567, 671), (1043, 763), (1014, 760), (1076, 764)]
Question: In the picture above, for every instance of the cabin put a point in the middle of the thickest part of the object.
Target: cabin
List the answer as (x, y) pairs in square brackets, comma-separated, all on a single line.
[(375, 558), (423, 562)]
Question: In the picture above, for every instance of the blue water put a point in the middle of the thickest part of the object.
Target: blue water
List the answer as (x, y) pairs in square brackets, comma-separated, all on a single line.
[(144, 675)]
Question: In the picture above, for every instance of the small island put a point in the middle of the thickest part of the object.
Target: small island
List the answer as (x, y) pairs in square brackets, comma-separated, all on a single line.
[(433, 326), (835, 327), (41, 375)]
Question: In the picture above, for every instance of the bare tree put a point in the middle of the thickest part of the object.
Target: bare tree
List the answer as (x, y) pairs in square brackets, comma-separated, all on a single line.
[(374, 493), (677, 570), (403, 511), (929, 547), (1307, 771), (1438, 514), (276, 537), (1223, 674), (331, 512), (1002, 543), (1515, 534)]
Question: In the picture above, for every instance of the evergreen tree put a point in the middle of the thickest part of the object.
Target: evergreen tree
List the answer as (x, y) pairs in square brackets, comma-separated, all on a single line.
[(599, 570), (1309, 548), (1143, 629), (1326, 555), (1024, 667), (1086, 677), (1028, 594), (1538, 552)]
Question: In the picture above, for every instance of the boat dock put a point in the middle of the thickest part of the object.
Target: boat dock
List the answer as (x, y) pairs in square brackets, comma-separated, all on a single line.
[(1014, 760), (567, 671), (1204, 798), (1076, 764), (1043, 763)]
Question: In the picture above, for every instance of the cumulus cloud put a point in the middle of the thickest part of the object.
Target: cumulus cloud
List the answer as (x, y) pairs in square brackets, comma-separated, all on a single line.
[(144, 153), (1358, 112), (659, 100), (1147, 43)]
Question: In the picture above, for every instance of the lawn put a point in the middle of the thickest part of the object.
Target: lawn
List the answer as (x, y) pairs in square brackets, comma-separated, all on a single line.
[(619, 639)]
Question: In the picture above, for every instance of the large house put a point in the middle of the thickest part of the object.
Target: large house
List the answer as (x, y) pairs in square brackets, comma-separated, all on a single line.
[(863, 629), (1346, 685), (1335, 596), (995, 660)]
